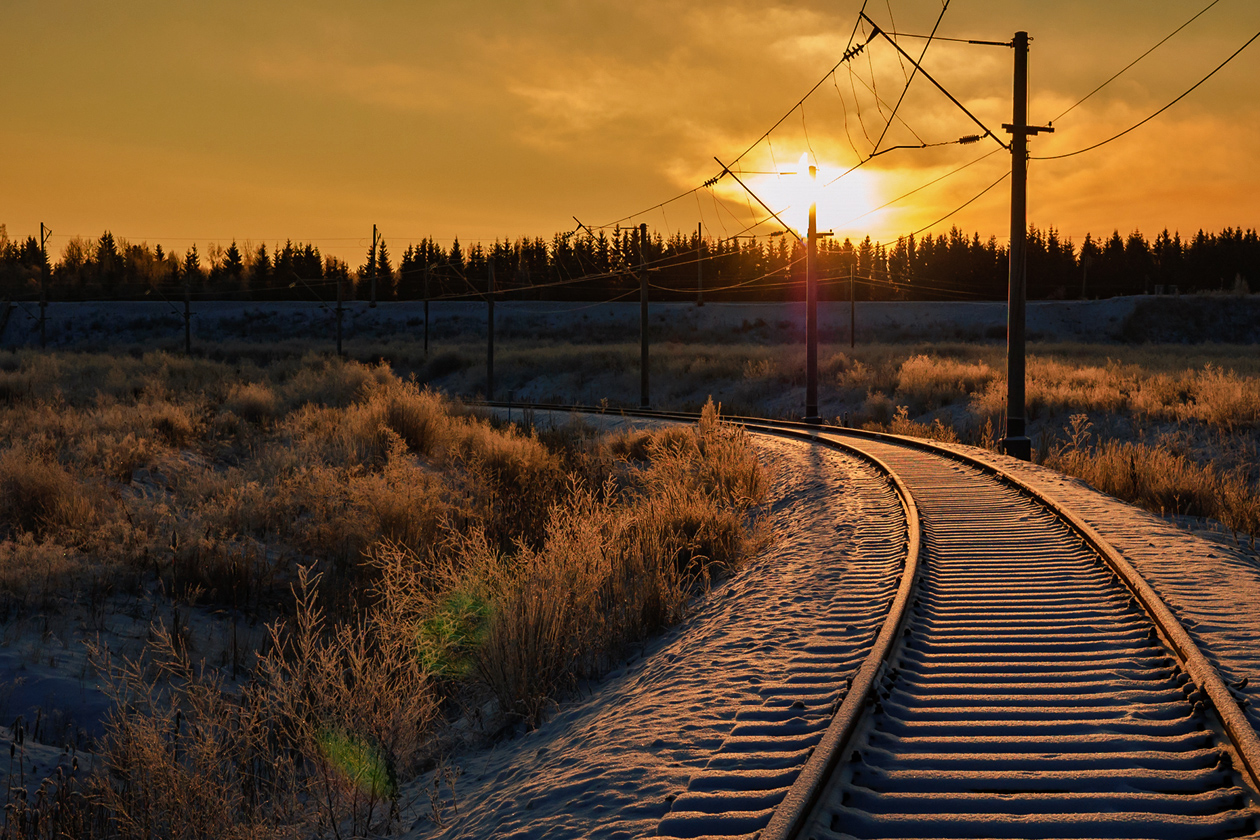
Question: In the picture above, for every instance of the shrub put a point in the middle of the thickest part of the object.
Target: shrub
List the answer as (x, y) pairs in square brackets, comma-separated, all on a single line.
[(928, 383), (38, 496), (1158, 478), (317, 742), (172, 423), (254, 402), (628, 563), (901, 424), (878, 408), (419, 417)]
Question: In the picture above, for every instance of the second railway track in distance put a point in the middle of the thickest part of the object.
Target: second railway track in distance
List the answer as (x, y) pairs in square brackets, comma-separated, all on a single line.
[(1035, 687)]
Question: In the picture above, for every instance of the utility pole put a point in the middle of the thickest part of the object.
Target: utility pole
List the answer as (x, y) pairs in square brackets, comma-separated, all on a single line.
[(643, 318), (852, 311), (811, 309), (699, 263), (340, 310), (426, 308), (1016, 442), (372, 269), (490, 332), (187, 319), (44, 233)]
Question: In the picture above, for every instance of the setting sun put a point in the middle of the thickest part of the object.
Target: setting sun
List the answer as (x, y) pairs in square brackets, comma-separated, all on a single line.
[(846, 197)]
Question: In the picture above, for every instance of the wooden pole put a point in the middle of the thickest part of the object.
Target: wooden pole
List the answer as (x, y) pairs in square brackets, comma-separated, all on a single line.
[(811, 310), (699, 263), (340, 310), (490, 333), (852, 311), (372, 269), (643, 318), (44, 232), (1016, 442)]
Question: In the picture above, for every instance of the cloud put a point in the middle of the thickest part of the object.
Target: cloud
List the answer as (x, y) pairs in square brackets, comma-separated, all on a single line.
[(388, 84)]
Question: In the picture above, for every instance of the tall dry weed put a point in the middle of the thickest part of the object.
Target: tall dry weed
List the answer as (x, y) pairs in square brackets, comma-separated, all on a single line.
[(314, 745), (1158, 478), (926, 383)]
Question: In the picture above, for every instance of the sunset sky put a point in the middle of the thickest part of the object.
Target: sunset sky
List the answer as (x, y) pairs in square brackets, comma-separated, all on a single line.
[(186, 123)]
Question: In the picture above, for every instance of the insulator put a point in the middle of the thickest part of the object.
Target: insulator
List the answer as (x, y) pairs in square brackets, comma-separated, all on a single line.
[(970, 138)]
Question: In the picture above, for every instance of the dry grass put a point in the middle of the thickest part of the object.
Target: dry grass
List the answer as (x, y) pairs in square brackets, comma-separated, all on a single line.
[(439, 560), (1159, 476)]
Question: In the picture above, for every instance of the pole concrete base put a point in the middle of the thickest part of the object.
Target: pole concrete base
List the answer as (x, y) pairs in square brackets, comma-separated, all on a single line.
[(1017, 447)]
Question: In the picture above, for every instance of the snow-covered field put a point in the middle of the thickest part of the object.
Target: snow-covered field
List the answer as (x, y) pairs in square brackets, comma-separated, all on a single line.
[(636, 746), (158, 324)]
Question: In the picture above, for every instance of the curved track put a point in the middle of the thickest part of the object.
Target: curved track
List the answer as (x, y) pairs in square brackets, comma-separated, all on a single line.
[(1036, 687), (1030, 695)]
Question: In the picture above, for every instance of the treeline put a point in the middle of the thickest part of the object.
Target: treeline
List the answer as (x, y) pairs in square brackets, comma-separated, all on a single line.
[(604, 265)]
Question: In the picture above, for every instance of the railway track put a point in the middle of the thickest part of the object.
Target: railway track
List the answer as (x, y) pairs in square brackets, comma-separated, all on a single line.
[(1025, 682)]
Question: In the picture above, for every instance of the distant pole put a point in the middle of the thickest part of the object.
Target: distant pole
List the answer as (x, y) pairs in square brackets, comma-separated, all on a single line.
[(852, 311), (490, 333), (811, 310), (44, 233), (1016, 443), (372, 269), (426, 309), (187, 319), (699, 263), (340, 310), (643, 318)]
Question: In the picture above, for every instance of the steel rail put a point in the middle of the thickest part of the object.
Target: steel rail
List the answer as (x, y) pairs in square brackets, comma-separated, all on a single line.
[(797, 805)]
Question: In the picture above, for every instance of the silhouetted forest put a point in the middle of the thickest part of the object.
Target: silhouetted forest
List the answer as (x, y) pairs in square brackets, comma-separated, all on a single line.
[(604, 265)]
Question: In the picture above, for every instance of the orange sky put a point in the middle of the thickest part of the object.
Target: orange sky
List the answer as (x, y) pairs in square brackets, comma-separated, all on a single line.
[(180, 123)]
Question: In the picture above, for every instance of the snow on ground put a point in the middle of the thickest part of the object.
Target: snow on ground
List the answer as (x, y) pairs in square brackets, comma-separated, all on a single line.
[(88, 325), (1209, 581), (611, 763)]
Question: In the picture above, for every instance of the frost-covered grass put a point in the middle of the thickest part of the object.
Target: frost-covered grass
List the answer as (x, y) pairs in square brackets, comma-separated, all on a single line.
[(1191, 414), (441, 561)]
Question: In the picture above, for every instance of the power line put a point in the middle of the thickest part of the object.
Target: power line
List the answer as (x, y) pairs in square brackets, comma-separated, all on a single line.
[(1136, 60), (849, 53), (906, 89), (653, 207), (939, 86), (1157, 113), (1004, 176), (953, 40), (922, 187)]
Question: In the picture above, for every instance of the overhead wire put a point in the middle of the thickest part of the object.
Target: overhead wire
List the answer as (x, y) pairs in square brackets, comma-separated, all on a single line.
[(901, 120), (1136, 60), (921, 187), (870, 63), (906, 89), (964, 205), (857, 105), (845, 110), (1157, 113), (900, 61), (849, 53), (805, 128)]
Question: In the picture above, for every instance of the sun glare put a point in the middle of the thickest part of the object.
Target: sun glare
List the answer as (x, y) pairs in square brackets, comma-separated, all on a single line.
[(846, 205)]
